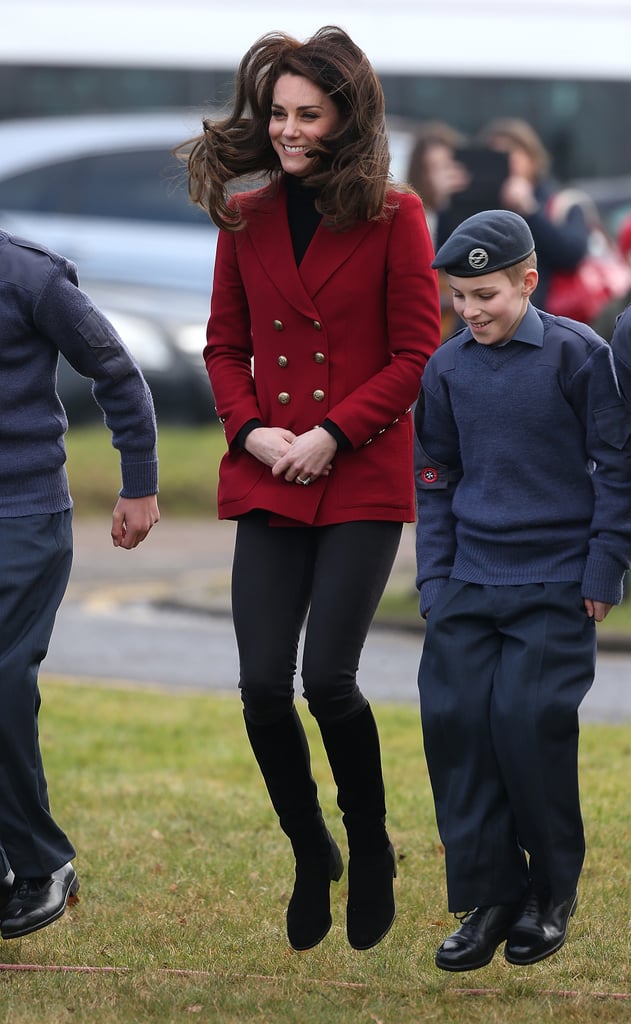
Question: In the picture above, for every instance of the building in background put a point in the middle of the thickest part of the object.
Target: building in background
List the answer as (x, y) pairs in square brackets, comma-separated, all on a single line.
[(562, 65)]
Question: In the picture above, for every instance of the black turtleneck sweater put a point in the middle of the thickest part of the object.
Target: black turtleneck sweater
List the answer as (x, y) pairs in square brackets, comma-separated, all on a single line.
[(302, 214)]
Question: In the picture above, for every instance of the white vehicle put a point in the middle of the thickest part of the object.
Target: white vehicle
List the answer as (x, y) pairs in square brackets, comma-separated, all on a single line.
[(106, 191)]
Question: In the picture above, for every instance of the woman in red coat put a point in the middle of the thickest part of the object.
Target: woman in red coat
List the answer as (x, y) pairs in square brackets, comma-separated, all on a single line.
[(324, 313)]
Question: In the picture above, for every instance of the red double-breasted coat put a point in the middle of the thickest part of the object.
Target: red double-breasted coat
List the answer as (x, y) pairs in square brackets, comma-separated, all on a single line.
[(344, 336)]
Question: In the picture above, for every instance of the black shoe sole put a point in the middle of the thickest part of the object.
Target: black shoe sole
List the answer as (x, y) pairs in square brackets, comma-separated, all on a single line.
[(73, 889), (526, 961), (460, 968), (373, 942), (313, 942)]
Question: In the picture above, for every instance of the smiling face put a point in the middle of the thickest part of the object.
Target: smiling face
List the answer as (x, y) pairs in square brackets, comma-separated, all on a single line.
[(302, 114), (492, 305)]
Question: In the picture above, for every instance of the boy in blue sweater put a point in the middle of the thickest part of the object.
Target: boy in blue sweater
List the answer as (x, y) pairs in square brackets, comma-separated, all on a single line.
[(621, 348), (524, 535), (42, 313)]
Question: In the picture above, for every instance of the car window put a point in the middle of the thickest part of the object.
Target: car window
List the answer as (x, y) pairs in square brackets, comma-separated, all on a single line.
[(42, 190), (147, 184)]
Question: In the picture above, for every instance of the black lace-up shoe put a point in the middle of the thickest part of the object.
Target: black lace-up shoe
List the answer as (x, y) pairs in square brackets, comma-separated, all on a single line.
[(473, 945), (540, 929), (36, 902)]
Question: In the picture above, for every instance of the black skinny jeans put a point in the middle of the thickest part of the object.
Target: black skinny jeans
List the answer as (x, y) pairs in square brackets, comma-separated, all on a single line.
[(337, 575)]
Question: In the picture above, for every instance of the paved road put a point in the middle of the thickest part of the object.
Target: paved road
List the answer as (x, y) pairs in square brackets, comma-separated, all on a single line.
[(186, 650), (159, 616)]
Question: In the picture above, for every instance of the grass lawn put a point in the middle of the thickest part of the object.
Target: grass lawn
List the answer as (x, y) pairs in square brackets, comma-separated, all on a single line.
[(185, 879), (189, 464)]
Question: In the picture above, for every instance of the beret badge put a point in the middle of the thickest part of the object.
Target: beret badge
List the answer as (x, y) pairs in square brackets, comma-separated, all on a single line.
[(478, 259)]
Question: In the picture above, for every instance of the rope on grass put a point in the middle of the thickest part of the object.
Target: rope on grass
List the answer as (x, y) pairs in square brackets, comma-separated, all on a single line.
[(559, 993), (192, 972), (178, 971), (64, 969)]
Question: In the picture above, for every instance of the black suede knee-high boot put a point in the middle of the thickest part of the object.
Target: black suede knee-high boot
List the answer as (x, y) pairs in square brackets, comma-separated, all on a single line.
[(282, 753), (354, 754)]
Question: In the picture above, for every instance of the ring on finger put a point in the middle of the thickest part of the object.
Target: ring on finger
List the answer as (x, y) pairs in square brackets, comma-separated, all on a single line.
[(305, 482)]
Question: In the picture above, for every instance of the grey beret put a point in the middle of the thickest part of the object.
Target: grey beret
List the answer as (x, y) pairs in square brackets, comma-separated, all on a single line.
[(488, 241)]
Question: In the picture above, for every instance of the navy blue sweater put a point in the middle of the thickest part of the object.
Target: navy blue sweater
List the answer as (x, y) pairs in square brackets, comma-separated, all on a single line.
[(621, 348), (523, 462), (42, 313)]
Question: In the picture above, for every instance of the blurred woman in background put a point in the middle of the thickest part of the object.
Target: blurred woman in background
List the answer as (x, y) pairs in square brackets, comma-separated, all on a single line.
[(435, 173)]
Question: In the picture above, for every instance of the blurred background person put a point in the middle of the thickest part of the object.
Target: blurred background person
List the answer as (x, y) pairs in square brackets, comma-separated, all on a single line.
[(605, 323), (561, 243), (624, 238), (436, 175), (433, 170)]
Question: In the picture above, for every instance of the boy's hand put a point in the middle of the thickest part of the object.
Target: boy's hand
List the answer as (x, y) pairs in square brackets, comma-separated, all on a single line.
[(596, 609), (132, 519)]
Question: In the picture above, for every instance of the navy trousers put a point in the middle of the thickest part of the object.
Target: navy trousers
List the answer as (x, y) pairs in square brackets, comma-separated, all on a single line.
[(502, 675), (35, 561)]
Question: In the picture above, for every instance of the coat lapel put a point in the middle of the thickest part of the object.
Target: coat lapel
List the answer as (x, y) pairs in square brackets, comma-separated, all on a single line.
[(268, 229), (328, 251)]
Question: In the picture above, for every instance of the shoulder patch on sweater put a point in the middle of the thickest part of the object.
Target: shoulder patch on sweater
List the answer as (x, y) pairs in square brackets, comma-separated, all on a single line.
[(430, 475)]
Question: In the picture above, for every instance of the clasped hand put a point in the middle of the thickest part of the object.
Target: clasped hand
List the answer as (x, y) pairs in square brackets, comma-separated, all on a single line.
[(307, 455)]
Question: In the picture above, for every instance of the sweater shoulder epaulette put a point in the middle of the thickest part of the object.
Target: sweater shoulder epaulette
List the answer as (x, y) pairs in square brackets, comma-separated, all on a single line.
[(574, 327), (27, 265)]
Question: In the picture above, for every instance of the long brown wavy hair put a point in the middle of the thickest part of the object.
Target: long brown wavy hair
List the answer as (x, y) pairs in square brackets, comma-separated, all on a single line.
[(352, 165)]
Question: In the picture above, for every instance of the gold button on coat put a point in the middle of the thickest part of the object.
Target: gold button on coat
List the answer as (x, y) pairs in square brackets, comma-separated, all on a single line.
[(282, 361), (284, 398), (317, 325), (279, 325), (318, 395), (319, 357)]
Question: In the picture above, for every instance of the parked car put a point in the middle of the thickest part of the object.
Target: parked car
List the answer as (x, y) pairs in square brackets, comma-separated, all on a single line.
[(107, 192)]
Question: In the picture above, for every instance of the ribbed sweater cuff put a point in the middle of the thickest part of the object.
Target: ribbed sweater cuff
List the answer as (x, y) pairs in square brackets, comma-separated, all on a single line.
[(602, 580), (429, 592), (140, 478)]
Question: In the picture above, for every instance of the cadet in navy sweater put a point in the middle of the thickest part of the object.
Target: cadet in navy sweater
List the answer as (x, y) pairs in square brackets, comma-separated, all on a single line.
[(42, 313), (621, 348), (524, 534)]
